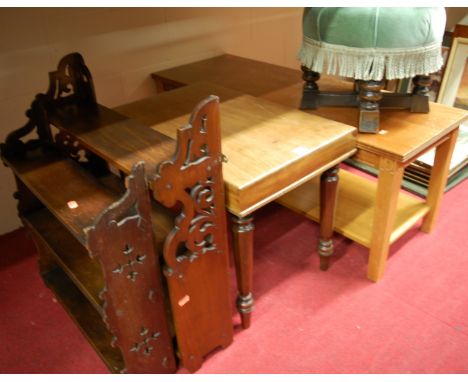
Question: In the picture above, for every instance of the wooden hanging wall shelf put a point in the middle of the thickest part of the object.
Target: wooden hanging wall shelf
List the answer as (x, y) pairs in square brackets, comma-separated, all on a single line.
[(84, 192)]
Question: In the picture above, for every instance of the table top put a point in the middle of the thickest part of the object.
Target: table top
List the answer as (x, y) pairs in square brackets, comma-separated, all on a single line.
[(403, 136), (270, 148)]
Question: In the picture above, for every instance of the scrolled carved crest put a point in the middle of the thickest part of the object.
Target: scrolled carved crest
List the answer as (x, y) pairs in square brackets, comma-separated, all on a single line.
[(195, 251), (70, 83), (71, 79), (191, 178)]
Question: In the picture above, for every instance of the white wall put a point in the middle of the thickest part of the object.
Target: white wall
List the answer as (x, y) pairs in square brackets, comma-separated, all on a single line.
[(456, 15), (122, 47)]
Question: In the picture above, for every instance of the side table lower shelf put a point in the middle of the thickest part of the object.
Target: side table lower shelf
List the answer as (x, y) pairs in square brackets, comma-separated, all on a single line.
[(85, 316), (355, 207)]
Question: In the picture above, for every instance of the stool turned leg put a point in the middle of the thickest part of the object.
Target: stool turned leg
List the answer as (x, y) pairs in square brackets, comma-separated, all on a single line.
[(422, 85), (369, 98), (356, 86), (310, 90), (328, 193), (242, 229)]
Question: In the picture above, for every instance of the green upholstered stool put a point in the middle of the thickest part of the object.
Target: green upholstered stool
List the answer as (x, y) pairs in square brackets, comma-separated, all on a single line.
[(371, 45)]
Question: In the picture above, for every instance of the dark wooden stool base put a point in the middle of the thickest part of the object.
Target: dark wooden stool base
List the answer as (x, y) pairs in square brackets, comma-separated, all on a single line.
[(368, 97)]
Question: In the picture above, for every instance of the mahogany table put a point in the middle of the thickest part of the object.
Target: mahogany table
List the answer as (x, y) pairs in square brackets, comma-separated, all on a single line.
[(270, 149)]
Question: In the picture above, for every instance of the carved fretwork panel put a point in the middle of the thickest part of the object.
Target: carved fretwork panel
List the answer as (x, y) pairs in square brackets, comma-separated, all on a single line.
[(70, 83), (72, 148), (37, 120), (135, 312), (72, 79), (196, 252)]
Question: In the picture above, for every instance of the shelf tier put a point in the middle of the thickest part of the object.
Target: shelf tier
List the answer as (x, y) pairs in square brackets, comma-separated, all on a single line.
[(72, 257), (114, 137), (355, 207), (76, 278), (85, 316), (59, 183)]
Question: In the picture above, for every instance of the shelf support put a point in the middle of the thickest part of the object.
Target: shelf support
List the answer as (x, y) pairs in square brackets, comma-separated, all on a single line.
[(135, 312), (196, 250), (70, 84)]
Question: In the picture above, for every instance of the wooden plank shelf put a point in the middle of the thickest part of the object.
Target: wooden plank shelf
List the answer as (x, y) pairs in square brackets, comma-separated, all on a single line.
[(73, 259), (86, 317), (355, 207), (114, 137), (59, 183)]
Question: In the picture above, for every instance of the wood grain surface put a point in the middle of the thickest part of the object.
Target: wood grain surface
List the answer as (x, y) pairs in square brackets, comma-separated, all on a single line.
[(270, 148), (404, 134)]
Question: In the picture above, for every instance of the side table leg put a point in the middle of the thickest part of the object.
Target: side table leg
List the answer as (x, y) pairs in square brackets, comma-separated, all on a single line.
[(328, 194), (243, 229), (438, 180), (388, 189)]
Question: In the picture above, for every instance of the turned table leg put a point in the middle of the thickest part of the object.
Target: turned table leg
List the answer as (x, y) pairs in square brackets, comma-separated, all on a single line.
[(438, 180), (328, 194), (388, 189), (243, 229)]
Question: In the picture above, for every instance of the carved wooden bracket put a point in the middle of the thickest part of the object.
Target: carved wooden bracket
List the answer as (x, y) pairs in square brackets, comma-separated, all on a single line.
[(196, 252), (135, 312), (70, 83), (194, 179)]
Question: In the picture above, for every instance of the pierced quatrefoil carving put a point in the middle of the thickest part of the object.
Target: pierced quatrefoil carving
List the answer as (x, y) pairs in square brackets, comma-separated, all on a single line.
[(132, 261), (144, 346)]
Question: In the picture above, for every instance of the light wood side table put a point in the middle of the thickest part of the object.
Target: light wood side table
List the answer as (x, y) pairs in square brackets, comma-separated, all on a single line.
[(374, 216)]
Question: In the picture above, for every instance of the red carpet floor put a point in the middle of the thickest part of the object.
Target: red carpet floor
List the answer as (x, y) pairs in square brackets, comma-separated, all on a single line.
[(306, 321)]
